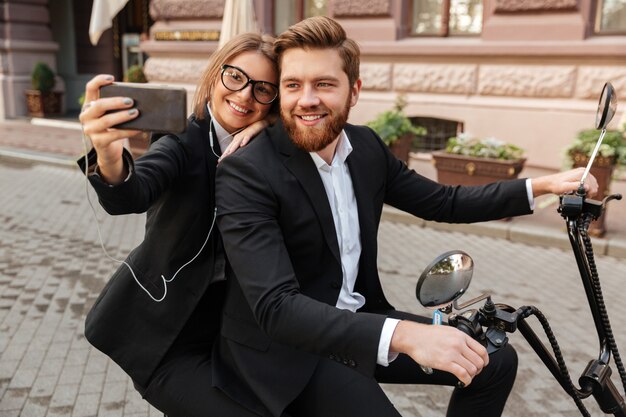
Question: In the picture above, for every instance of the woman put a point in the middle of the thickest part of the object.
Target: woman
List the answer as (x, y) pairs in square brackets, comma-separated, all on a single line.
[(158, 315)]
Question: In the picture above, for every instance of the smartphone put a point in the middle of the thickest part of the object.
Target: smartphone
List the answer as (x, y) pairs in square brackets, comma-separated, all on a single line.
[(161, 108)]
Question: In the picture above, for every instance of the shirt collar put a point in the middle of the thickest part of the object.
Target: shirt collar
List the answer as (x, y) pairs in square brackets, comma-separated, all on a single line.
[(219, 130), (343, 149)]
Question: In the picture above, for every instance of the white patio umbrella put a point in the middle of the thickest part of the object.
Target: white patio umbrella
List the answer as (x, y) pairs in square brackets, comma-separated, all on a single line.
[(238, 18), (102, 14)]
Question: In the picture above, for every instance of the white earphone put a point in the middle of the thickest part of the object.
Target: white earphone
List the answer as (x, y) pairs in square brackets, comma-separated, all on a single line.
[(93, 210)]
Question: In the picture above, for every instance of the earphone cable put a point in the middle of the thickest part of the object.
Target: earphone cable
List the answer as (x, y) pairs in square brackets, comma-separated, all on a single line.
[(106, 253)]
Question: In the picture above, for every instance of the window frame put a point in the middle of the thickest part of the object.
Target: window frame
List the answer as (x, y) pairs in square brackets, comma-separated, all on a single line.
[(299, 6), (597, 22), (445, 23)]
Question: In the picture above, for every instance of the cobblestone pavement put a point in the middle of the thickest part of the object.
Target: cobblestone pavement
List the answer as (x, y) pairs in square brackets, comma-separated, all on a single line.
[(52, 268)]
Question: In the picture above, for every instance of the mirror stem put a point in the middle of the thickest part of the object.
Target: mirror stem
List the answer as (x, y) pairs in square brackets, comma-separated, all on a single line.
[(581, 190)]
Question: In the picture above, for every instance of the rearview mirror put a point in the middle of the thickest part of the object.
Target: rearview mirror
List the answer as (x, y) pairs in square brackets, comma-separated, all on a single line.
[(606, 110), (445, 279), (607, 105)]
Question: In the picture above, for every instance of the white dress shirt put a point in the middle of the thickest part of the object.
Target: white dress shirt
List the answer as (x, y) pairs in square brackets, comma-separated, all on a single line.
[(340, 192)]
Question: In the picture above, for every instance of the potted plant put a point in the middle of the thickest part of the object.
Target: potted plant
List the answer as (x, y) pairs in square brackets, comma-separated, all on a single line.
[(471, 161), (396, 130), (611, 154), (42, 100), (135, 74)]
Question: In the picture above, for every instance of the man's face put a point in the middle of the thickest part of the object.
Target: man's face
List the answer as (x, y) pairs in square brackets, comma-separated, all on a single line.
[(315, 96)]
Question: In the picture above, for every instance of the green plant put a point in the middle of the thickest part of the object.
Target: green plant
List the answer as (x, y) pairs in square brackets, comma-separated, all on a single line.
[(135, 74), (42, 78), (463, 144), (392, 124), (613, 145)]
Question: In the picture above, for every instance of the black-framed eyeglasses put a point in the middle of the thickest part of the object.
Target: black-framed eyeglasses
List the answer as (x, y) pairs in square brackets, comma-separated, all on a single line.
[(235, 79)]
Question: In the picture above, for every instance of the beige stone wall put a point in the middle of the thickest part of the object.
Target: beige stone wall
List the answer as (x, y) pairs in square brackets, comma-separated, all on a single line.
[(532, 77), (538, 107)]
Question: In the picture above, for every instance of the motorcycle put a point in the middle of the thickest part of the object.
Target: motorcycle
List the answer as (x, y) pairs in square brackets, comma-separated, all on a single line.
[(448, 277)]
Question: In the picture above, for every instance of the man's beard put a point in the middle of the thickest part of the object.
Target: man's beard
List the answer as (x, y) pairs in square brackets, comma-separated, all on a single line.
[(314, 139)]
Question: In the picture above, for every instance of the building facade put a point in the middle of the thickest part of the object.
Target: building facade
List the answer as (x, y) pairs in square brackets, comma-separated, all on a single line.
[(528, 72)]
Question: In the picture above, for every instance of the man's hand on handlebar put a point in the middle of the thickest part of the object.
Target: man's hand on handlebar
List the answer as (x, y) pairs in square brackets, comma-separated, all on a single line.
[(440, 347), (564, 182)]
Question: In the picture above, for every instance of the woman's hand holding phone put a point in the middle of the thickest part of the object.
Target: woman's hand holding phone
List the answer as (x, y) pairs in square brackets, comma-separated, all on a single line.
[(107, 141)]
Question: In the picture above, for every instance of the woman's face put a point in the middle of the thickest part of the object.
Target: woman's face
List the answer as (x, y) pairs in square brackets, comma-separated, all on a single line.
[(236, 109)]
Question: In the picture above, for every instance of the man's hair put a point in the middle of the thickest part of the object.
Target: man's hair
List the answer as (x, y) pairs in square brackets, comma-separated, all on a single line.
[(321, 32), (246, 42)]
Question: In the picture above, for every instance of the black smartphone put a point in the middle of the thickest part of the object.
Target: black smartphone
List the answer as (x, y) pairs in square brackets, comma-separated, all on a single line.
[(161, 108)]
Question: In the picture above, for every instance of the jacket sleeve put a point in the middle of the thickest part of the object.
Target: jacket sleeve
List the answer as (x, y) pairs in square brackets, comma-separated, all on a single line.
[(248, 219), (149, 176), (422, 197)]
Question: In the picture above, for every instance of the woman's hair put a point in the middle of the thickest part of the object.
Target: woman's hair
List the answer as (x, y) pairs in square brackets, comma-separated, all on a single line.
[(246, 42), (321, 32)]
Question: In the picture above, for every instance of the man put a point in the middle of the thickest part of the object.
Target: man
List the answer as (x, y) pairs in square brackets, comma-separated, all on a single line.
[(306, 327)]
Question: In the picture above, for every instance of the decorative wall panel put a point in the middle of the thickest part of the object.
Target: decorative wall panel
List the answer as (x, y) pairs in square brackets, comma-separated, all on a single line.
[(359, 8), (435, 78), (504, 6), (174, 69), (527, 81), (591, 80), (376, 76), (186, 9)]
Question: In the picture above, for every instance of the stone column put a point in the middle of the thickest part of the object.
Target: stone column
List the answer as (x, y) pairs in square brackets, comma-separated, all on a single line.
[(25, 39)]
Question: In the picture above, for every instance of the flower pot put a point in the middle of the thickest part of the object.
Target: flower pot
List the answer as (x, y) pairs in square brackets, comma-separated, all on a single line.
[(43, 104), (466, 170), (401, 147), (602, 169)]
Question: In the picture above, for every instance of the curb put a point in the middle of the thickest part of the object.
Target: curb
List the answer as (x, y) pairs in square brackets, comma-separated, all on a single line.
[(516, 230), (23, 155)]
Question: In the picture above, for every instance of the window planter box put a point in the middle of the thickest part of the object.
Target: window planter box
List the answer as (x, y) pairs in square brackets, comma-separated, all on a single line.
[(455, 169), (43, 104)]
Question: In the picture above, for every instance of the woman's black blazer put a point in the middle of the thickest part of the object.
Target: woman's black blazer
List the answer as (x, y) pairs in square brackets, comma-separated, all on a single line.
[(174, 181)]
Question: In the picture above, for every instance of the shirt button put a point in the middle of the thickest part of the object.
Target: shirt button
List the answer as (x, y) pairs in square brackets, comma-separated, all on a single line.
[(352, 363)]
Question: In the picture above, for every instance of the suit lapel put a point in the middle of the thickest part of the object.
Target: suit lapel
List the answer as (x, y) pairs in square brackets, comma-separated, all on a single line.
[(362, 182), (300, 164)]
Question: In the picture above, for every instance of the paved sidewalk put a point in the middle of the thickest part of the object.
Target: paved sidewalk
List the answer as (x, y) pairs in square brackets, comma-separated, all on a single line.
[(57, 140), (52, 269)]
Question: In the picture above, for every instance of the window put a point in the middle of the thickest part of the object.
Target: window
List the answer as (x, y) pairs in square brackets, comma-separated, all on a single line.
[(288, 12), (438, 131), (611, 16), (447, 17)]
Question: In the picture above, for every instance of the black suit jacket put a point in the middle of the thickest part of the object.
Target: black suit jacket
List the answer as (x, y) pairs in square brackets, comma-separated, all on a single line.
[(174, 183), (279, 235)]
